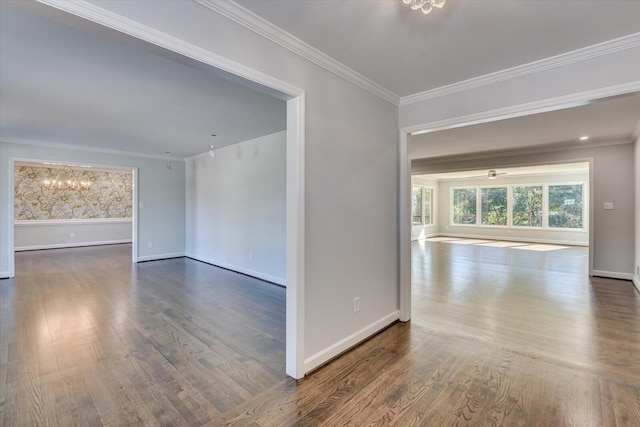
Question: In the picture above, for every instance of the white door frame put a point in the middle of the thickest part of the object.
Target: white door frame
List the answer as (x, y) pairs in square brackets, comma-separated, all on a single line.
[(294, 96), (404, 196)]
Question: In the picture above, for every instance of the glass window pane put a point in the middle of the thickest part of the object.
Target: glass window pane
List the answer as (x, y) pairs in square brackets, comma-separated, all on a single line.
[(565, 206), (527, 206), (428, 206), (416, 206), (464, 206), (493, 206)]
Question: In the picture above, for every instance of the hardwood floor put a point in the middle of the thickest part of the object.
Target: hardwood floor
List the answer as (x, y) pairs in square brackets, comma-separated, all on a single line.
[(499, 336)]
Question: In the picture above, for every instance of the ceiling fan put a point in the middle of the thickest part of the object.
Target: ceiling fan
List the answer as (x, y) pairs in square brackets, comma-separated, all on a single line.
[(491, 174)]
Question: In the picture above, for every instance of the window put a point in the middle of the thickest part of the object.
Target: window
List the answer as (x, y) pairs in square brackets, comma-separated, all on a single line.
[(527, 206), (422, 206), (493, 206), (565, 206), (464, 206), (416, 206), (428, 206)]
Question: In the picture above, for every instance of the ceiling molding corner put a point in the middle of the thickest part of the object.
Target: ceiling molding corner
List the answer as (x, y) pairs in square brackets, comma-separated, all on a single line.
[(246, 18), (623, 43)]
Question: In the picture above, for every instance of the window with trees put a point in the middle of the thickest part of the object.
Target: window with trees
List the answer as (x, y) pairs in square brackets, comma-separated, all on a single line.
[(493, 208), (464, 206), (565, 206), (527, 206), (545, 206), (422, 206)]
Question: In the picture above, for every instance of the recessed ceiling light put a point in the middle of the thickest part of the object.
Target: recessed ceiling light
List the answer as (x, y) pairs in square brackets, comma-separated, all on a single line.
[(584, 138)]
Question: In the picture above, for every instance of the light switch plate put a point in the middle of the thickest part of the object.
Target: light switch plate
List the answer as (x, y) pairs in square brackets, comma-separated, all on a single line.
[(608, 205)]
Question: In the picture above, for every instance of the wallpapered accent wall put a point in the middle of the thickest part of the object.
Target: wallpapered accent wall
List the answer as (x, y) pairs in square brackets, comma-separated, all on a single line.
[(110, 195)]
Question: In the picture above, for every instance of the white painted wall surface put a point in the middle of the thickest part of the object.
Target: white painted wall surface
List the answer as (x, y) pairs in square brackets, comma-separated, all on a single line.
[(162, 191), (558, 236), (236, 208), (425, 231), (350, 172), (30, 235), (613, 175)]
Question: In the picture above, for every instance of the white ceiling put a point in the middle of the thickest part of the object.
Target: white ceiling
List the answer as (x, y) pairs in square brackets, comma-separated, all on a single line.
[(602, 121), (481, 174), (68, 85), (407, 52)]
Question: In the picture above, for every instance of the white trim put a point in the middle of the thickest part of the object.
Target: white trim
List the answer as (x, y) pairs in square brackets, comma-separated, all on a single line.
[(514, 239), (40, 143), (424, 237), (635, 280), (611, 46), (238, 14), (613, 275), (23, 223), (331, 352), (160, 257), (238, 269), (93, 13), (5, 275), (404, 226), (258, 140), (529, 108), (70, 245)]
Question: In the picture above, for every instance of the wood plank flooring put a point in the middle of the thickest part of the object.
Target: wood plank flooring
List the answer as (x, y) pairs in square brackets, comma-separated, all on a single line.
[(499, 336)]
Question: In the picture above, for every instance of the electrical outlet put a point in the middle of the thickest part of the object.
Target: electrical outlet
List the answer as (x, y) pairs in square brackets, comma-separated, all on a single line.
[(141, 205), (608, 205), (73, 235), (356, 304), (150, 245)]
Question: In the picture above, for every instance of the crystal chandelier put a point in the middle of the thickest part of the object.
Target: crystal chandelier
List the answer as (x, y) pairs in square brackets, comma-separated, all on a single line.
[(65, 179), (425, 6)]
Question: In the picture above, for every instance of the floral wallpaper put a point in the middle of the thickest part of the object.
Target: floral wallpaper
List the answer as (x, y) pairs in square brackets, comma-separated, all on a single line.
[(109, 196)]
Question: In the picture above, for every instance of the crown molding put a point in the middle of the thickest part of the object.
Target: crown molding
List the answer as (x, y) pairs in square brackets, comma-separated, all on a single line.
[(87, 148), (93, 13), (623, 43), (259, 25), (254, 141)]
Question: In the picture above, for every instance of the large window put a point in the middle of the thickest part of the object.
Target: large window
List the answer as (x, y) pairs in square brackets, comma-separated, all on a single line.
[(416, 206), (493, 208), (428, 206), (544, 206), (565, 206), (464, 206), (527, 206)]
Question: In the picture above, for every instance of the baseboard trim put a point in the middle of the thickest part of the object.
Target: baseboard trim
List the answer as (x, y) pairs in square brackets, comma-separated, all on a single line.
[(4, 275), (636, 283), (242, 270), (159, 257), (613, 275), (426, 236), (335, 350), (514, 239), (70, 245)]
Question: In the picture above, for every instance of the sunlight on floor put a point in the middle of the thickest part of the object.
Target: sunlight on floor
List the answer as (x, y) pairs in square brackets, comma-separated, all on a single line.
[(499, 244)]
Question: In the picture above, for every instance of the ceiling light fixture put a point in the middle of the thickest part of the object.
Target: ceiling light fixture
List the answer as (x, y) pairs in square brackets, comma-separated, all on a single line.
[(584, 138), (426, 6), (66, 180)]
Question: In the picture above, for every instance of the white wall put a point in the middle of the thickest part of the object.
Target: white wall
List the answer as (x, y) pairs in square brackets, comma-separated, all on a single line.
[(61, 233), (612, 174), (425, 231), (162, 191), (350, 177), (573, 237), (236, 208)]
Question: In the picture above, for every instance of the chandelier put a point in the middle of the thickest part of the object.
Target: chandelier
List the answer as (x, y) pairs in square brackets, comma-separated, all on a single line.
[(425, 6), (65, 179)]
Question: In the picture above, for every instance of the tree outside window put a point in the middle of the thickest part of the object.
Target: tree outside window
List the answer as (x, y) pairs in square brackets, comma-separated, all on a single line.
[(565, 206), (464, 206), (416, 206), (428, 206), (527, 206), (493, 206)]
